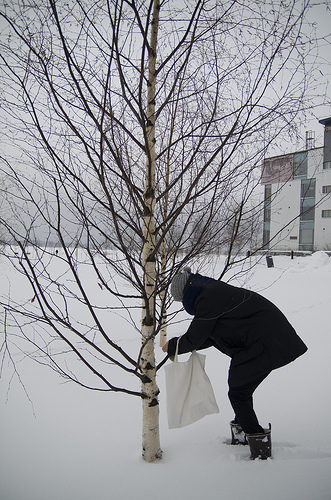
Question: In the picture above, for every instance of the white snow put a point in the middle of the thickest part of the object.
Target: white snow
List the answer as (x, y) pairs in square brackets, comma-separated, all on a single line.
[(75, 444)]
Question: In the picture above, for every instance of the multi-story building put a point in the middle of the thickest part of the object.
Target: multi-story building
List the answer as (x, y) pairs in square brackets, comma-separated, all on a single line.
[(297, 197)]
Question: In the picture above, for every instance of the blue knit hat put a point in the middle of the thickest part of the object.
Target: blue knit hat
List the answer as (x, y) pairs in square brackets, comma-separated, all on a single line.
[(178, 284)]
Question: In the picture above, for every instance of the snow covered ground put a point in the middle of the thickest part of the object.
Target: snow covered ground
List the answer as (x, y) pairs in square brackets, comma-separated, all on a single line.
[(79, 445)]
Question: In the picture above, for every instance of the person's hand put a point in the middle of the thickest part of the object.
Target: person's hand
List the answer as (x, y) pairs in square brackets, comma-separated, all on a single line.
[(165, 347)]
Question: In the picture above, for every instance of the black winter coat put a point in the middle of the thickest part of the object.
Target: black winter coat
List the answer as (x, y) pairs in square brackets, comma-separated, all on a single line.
[(240, 323)]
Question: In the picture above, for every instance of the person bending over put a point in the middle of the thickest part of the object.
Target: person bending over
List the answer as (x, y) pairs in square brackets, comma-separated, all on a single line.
[(245, 326)]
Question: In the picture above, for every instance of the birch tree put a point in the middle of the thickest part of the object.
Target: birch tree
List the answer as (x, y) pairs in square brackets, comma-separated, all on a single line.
[(134, 130)]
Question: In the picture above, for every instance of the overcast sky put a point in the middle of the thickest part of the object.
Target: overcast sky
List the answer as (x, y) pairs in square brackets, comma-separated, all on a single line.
[(321, 15)]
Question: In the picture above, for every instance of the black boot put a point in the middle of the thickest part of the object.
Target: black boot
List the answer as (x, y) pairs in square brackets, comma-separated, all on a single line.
[(260, 444), (237, 434)]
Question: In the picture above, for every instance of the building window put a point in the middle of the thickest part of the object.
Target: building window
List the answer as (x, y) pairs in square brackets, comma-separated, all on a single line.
[(267, 193), (308, 188), (326, 213), (326, 165), (326, 189), (267, 215), (300, 164), (306, 235), (307, 199), (308, 209), (307, 216), (267, 203), (266, 235)]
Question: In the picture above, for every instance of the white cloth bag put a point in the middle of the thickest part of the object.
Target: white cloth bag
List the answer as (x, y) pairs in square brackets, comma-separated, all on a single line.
[(190, 395)]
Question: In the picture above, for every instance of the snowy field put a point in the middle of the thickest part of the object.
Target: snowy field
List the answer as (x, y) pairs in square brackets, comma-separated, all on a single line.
[(75, 444)]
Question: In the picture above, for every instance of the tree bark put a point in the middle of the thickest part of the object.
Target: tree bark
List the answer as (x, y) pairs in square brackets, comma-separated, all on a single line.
[(150, 434)]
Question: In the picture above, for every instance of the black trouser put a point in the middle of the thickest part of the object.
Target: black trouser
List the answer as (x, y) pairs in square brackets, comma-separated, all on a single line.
[(241, 399)]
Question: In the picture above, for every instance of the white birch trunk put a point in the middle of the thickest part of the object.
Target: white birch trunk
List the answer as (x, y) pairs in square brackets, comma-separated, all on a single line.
[(150, 428)]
